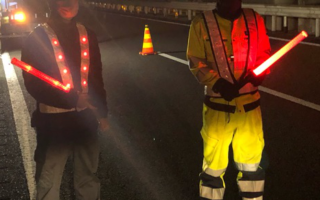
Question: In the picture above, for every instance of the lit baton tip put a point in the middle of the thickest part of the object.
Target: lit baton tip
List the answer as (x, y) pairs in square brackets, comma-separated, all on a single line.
[(305, 34), (292, 43)]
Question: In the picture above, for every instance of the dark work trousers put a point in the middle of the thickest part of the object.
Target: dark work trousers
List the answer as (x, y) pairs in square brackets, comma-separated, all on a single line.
[(52, 152)]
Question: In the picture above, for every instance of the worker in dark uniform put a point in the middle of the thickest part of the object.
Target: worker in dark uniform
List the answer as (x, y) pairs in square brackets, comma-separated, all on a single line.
[(66, 122)]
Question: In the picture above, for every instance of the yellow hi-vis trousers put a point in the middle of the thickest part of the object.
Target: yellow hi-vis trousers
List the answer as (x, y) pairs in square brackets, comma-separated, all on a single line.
[(244, 130)]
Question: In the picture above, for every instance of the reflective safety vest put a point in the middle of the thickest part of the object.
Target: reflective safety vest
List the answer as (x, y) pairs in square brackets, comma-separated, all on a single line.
[(244, 51), (62, 65)]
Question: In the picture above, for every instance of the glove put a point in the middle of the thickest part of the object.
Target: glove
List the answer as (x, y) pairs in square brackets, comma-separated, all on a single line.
[(227, 90), (255, 80)]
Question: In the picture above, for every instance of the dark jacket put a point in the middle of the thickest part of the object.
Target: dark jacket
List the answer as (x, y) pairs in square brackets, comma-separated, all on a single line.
[(38, 52)]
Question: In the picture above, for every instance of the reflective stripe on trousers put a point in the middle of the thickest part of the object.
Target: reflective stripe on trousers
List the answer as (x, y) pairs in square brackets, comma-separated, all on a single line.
[(247, 167), (251, 186), (211, 193), (257, 198)]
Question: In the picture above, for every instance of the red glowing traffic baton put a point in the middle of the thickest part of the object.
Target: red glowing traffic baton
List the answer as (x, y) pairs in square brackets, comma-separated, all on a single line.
[(266, 64), (276, 56), (24, 66)]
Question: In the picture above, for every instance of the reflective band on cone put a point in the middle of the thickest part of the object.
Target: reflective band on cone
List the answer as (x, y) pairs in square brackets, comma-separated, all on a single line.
[(147, 47)]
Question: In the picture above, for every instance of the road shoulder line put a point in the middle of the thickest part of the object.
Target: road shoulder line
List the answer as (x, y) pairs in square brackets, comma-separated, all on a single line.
[(26, 134)]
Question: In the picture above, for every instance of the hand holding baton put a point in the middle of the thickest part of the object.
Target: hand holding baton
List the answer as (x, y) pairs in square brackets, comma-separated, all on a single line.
[(33, 71), (276, 56), (103, 122)]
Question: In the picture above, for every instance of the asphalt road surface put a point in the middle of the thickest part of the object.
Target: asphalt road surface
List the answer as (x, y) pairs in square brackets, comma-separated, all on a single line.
[(153, 150)]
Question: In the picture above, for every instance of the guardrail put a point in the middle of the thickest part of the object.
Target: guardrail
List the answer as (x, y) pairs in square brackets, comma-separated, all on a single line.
[(277, 18)]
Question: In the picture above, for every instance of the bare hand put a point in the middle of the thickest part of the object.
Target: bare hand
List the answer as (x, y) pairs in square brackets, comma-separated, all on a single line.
[(103, 124), (84, 101)]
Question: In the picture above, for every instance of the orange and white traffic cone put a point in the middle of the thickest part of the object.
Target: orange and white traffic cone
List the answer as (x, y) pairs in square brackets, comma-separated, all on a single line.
[(147, 47)]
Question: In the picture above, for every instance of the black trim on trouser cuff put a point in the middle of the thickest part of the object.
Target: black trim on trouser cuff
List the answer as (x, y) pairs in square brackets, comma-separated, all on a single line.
[(211, 181), (229, 108), (253, 176), (251, 195)]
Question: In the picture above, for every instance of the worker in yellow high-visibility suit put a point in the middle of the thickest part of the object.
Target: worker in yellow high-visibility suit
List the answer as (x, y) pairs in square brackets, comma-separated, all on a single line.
[(224, 45)]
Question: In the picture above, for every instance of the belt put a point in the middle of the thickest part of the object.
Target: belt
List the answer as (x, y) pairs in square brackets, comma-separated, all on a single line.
[(51, 109), (229, 108), (54, 110)]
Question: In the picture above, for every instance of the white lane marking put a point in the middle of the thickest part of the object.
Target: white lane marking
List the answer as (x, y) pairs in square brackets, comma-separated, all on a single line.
[(264, 89), (291, 98), (181, 24), (26, 134), (173, 58), (287, 40)]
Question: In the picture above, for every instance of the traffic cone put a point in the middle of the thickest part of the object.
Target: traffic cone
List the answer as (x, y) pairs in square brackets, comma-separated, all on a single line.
[(147, 47)]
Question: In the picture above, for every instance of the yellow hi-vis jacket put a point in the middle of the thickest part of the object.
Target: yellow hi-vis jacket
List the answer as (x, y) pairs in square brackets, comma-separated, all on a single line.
[(245, 44)]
